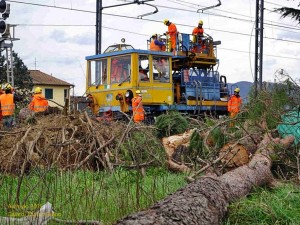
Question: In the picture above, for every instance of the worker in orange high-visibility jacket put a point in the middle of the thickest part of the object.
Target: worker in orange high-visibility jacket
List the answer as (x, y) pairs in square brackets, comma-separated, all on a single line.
[(234, 105), (172, 31), (137, 108), (156, 45), (7, 106), (1, 92), (198, 33), (38, 103)]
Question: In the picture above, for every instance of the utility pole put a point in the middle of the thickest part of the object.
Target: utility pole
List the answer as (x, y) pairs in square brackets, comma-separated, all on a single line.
[(98, 26), (259, 28), (7, 32), (99, 9)]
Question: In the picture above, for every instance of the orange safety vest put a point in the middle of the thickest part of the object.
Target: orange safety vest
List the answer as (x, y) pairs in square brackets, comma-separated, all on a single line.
[(198, 31), (39, 103), (172, 31), (0, 108), (154, 47), (7, 104), (196, 39), (234, 104), (138, 109)]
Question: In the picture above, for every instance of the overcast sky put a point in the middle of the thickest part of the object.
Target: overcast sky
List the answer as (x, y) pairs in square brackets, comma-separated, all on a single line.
[(56, 39)]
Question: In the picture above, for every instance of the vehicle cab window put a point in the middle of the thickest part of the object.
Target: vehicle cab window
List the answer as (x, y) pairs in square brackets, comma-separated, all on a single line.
[(143, 68), (120, 69), (98, 72), (161, 69)]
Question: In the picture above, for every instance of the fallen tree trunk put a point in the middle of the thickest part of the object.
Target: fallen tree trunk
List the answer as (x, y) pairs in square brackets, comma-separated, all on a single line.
[(205, 200)]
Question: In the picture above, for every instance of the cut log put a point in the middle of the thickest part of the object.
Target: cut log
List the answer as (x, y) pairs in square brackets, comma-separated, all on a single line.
[(234, 155), (173, 142), (238, 154), (205, 200)]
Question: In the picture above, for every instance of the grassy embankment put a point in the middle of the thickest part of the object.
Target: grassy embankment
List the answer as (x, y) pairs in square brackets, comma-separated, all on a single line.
[(87, 195)]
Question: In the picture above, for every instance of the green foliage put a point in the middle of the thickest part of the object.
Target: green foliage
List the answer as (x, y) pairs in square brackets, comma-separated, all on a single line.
[(170, 124), (142, 146), (218, 137), (269, 104), (21, 75), (215, 140), (289, 12), (278, 206), (209, 121), (285, 161), (196, 146)]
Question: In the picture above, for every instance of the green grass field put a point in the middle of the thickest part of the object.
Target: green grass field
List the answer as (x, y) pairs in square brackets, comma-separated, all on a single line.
[(87, 195), (280, 205)]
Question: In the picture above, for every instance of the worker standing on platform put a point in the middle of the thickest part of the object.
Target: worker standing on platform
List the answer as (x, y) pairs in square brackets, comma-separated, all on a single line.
[(172, 31), (198, 33), (156, 45)]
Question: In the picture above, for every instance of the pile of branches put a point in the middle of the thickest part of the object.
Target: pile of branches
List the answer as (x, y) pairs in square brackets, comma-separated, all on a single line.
[(76, 141)]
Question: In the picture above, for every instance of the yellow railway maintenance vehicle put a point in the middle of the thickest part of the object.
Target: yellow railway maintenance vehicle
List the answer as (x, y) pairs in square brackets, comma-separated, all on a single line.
[(185, 81)]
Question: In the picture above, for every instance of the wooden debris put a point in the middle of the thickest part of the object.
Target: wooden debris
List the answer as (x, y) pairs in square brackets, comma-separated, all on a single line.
[(237, 155), (209, 197), (171, 144)]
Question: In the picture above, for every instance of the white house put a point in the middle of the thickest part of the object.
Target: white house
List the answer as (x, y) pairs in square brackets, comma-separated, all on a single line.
[(54, 89)]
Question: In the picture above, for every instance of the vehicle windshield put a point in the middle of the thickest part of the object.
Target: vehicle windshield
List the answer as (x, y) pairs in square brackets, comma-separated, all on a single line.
[(120, 69), (117, 48)]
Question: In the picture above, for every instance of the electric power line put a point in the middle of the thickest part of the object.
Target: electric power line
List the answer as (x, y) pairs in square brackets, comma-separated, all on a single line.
[(50, 6), (168, 7), (131, 17), (275, 56), (184, 25), (54, 25), (147, 35)]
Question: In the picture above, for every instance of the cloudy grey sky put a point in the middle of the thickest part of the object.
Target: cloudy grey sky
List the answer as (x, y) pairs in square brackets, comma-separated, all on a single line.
[(56, 35)]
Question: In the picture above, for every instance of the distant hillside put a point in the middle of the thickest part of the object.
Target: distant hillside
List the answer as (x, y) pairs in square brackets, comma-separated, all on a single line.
[(245, 87)]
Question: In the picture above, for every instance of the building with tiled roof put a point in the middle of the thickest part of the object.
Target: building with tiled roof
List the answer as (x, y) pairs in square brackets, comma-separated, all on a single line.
[(54, 89)]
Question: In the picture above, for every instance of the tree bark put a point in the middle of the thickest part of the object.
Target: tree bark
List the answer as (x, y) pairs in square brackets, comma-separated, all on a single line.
[(205, 200)]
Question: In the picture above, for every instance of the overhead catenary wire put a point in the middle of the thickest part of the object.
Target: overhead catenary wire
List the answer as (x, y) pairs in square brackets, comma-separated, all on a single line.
[(146, 19), (151, 20), (226, 49), (272, 3), (86, 25), (168, 7), (290, 41), (130, 17)]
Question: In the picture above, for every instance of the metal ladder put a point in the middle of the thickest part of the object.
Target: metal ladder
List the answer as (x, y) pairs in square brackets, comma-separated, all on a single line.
[(9, 63)]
